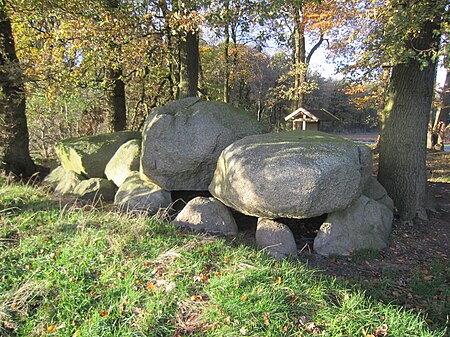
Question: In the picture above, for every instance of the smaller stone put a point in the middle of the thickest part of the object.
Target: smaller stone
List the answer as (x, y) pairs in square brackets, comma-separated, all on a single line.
[(207, 215), (62, 181), (94, 189), (365, 224), (124, 162), (374, 190), (275, 238), (137, 195)]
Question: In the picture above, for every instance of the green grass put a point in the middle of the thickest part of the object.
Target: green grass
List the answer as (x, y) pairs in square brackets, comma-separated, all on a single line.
[(82, 271)]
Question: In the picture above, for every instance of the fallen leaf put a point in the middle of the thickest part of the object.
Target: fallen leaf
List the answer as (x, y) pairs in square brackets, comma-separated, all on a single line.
[(51, 328), (150, 286), (278, 280), (381, 331), (104, 313), (284, 328), (266, 318), (196, 298), (244, 297), (243, 331), (76, 333)]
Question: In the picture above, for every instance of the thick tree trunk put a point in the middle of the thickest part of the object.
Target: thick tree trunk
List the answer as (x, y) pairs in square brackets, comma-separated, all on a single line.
[(402, 165), (117, 119), (190, 56), (14, 137)]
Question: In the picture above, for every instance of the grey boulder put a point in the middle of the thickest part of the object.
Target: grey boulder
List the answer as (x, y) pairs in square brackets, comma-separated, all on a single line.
[(374, 190), (275, 238), (124, 162), (89, 155), (183, 139), (297, 174), (62, 181), (95, 189), (207, 215), (366, 224), (139, 195)]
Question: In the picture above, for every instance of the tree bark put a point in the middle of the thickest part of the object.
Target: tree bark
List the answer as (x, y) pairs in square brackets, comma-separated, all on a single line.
[(190, 56), (402, 163), (299, 58), (117, 120), (226, 56), (14, 138)]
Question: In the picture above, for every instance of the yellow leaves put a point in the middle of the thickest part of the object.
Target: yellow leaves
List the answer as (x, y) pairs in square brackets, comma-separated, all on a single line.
[(244, 297), (51, 328), (196, 298)]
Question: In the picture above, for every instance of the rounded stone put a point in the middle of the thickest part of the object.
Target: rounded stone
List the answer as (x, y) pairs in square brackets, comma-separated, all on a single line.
[(275, 238), (297, 174), (183, 139)]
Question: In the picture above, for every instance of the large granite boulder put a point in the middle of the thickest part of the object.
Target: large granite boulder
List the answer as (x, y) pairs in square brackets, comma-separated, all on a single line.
[(89, 155), (297, 174), (374, 190), (366, 224), (208, 215), (95, 189), (124, 162), (138, 195), (183, 139), (275, 238)]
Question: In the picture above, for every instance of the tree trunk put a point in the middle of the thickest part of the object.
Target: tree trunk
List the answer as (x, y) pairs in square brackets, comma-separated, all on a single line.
[(190, 56), (299, 58), (14, 137), (226, 56), (402, 164), (117, 120)]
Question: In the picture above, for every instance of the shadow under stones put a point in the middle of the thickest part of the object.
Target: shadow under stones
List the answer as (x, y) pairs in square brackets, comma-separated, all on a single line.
[(304, 230)]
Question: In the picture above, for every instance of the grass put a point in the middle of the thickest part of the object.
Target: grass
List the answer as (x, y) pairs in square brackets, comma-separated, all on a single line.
[(86, 271)]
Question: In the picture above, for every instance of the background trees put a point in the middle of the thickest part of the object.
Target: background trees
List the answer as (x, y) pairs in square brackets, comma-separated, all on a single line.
[(102, 65)]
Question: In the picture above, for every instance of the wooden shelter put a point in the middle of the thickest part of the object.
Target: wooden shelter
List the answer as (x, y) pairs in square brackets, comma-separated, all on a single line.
[(304, 119)]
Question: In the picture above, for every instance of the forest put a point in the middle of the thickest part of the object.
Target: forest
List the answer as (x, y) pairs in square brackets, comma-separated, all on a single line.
[(81, 68)]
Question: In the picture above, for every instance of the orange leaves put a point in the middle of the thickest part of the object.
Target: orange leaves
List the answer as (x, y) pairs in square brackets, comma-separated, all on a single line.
[(104, 313), (244, 297), (150, 286)]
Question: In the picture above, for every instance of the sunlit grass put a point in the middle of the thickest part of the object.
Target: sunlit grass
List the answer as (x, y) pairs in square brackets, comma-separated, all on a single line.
[(84, 271)]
